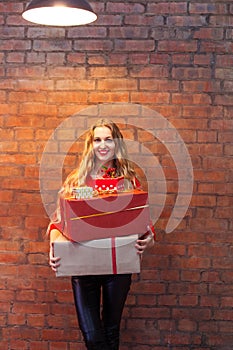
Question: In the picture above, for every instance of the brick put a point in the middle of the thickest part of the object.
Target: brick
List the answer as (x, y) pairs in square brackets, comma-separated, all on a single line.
[(78, 58), (177, 46), (16, 45), (25, 96), (134, 45), (11, 7), (208, 8), (87, 32), (108, 97), (35, 57), (97, 59), (45, 32), (188, 300), (158, 58), (223, 21), (15, 57), (52, 45), (38, 108), (151, 20), (167, 300), (25, 71), (102, 72), (201, 86), (186, 58), (191, 73), (128, 32), (117, 58), (198, 313), (209, 33), (202, 111), (160, 98), (24, 134), (185, 21), (31, 85), (150, 71), (203, 136), (167, 8), (158, 85), (187, 326), (224, 73), (227, 301), (209, 301), (126, 8), (117, 84), (191, 262), (18, 344), (190, 99), (219, 47), (203, 59), (93, 45), (55, 58), (70, 96)]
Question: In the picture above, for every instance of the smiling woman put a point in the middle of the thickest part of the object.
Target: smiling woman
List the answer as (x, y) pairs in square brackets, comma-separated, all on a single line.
[(104, 147)]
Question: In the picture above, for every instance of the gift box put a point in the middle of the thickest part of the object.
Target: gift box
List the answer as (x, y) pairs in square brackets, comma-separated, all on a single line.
[(105, 216), (83, 192), (110, 184), (98, 257)]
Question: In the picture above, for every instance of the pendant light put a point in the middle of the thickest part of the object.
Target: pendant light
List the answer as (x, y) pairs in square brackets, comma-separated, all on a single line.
[(59, 12)]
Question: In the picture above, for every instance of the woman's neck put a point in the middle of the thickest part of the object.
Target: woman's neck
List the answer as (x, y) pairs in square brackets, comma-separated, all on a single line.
[(99, 168)]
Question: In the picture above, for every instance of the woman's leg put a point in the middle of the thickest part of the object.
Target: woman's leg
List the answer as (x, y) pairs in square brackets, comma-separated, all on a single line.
[(86, 290), (115, 291)]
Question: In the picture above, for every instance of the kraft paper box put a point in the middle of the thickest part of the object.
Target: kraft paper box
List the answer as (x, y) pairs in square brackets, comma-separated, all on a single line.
[(105, 216), (98, 257)]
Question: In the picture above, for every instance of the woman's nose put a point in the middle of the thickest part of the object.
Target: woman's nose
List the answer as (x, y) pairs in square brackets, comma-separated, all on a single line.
[(102, 143)]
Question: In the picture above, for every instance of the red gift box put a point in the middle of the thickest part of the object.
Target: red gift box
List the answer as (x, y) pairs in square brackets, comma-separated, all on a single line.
[(110, 184), (105, 216)]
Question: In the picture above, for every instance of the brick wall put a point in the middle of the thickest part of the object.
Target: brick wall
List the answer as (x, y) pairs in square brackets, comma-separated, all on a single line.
[(175, 58)]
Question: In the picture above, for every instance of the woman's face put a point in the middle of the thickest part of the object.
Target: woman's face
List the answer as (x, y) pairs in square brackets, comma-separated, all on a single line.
[(103, 144)]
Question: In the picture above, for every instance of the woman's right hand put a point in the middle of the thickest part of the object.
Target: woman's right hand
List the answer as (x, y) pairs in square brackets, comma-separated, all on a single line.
[(53, 260)]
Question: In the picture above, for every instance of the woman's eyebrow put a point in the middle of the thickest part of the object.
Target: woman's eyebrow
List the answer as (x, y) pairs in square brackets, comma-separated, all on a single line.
[(104, 138)]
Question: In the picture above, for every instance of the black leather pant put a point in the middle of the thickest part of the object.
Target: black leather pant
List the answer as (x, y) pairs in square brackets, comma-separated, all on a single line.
[(100, 333)]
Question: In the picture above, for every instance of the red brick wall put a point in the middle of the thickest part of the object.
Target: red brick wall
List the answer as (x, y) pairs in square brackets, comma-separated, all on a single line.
[(174, 57)]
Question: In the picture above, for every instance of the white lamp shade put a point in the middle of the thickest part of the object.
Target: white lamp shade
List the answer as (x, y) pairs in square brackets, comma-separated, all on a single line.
[(59, 13)]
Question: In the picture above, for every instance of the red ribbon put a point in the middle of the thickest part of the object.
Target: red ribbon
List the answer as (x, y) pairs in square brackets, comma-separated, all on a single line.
[(114, 264)]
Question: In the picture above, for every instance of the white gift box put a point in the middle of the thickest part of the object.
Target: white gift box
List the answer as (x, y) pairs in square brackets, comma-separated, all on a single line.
[(83, 192), (97, 257)]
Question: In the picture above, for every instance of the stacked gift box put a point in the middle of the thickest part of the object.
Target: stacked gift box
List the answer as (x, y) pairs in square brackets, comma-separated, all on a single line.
[(99, 232)]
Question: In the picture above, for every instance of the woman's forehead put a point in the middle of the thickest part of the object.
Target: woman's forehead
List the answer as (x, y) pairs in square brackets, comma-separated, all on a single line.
[(102, 131)]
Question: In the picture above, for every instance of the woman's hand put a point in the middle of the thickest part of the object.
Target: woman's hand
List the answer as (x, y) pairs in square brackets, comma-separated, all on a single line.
[(53, 261), (144, 243)]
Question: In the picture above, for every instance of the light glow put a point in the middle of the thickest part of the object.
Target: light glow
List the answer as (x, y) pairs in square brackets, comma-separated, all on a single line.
[(59, 16)]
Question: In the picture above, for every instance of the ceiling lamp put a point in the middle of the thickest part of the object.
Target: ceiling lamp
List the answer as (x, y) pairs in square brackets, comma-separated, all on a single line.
[(59, 12)]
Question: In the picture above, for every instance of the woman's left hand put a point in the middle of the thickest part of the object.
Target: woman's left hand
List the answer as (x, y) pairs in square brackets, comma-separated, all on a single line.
[(143, 243)]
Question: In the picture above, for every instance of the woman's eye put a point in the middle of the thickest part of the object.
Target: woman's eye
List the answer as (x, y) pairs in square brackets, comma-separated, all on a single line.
[(109, 141)]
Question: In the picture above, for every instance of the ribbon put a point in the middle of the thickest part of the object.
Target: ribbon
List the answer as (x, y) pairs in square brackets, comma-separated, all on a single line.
[(108, 212), (114, 264)]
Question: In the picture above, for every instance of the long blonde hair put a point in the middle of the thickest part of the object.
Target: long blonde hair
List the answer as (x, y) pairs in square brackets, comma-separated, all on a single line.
[(121, 162)]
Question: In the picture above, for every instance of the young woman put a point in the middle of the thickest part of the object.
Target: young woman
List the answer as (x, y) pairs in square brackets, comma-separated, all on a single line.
[(104, 146)]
